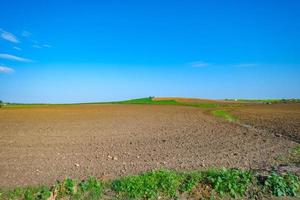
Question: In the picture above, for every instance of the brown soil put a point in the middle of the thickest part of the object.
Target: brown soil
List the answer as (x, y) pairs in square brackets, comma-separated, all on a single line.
[(41, 145), (282, 120)]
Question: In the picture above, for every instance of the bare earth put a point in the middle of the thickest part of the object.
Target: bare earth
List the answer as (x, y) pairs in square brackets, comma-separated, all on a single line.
[(41, 145), (283, 120)]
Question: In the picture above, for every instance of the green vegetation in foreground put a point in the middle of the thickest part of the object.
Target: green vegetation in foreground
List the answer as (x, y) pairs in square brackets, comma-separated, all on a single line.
[(284, 185), (224, 114), (168, 184), (88, 189)]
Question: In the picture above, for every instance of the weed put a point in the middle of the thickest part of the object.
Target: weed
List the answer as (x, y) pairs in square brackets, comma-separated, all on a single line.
[(91, 188), (190, 180), (233, 182), (224, 114), (28, 193), (149, 185), (69, 186), (283, 185)]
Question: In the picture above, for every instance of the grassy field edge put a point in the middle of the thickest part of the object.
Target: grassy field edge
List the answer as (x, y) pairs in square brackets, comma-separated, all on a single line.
[(168, 184)]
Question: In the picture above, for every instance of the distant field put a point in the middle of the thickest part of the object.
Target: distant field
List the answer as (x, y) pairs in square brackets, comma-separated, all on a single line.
[(265, 100), (172, 101), (149, 100), (195, 100)]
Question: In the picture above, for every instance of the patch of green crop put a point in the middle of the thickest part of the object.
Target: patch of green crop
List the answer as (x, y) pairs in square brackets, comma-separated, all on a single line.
[(148, 185), (28, 193), (224, 114), (190, 180), (283, 185), (232, 182), (200, 105), (149, 100), (229, 181), (90, 189)]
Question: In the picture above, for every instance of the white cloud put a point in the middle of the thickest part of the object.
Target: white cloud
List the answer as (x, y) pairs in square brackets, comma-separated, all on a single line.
[(15, 58), (17, 48), (199, 64), (26, 34), (36, 46), (8, 36), (47, 45), (6, 70)]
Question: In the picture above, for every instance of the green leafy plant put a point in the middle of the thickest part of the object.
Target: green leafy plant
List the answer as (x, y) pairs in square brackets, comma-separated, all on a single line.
[(283, 185), (189, 181), (233, 181), (69, 186), (149, 185), (91, 188), (44, 193), (28, 193)]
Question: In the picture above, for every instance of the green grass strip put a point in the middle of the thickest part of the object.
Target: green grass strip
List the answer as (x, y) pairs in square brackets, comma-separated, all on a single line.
[(224, 114), (166, 184)]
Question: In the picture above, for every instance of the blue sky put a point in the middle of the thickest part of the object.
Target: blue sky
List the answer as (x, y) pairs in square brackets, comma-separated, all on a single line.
[(80, 51)]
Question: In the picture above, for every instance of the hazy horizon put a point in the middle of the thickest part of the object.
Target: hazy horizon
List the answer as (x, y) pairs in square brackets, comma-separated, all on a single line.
[(87, 51)]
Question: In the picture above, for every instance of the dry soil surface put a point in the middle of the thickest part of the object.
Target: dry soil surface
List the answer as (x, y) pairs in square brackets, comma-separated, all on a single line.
[(282, 119), (40, 145)]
